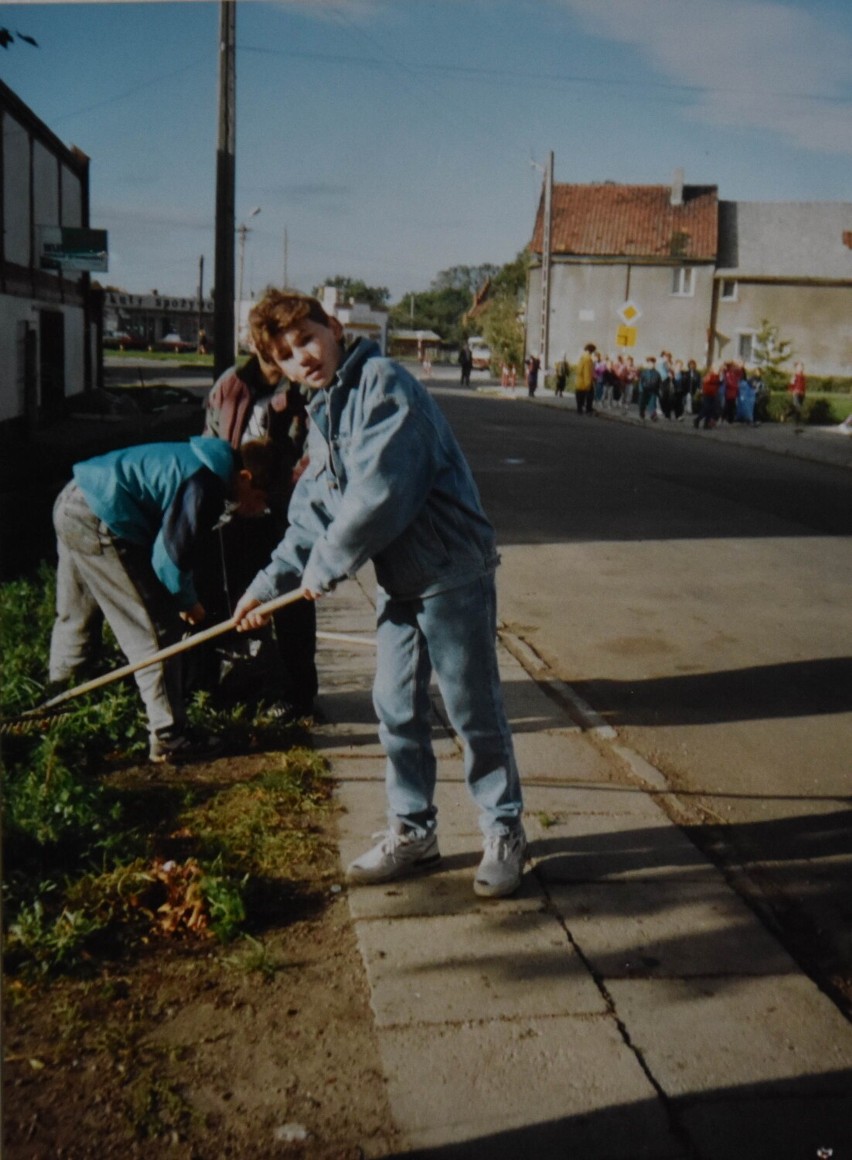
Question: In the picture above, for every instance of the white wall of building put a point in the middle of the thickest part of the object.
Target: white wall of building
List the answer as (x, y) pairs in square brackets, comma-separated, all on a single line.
[(44, 184), (585, 299), (16, 313)]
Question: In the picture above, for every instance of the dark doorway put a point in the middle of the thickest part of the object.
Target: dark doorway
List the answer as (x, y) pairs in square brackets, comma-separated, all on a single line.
[(26, 381), (52, 361)]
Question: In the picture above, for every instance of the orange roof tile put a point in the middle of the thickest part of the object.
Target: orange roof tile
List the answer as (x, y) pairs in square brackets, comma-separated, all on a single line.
[(639, 221)]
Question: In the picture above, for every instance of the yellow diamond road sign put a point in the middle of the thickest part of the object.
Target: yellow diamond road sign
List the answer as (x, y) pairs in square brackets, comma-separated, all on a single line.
[(629, 313)]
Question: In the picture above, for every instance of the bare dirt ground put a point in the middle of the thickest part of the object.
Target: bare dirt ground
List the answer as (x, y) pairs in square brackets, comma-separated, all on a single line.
[(261, 1048)]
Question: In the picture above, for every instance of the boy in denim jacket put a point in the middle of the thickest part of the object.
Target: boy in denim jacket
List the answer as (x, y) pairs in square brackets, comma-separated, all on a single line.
[(387, 482)]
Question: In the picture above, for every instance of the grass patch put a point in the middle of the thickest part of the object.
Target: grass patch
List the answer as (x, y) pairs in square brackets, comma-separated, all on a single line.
[(101, 856), (185, 358), (822, 407)]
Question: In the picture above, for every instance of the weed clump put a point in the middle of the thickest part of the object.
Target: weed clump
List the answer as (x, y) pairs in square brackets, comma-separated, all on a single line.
[(100, 859)]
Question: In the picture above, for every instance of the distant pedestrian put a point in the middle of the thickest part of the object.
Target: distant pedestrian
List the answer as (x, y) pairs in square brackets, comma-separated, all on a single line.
[(649, 388), (710, 388), (584, 380), (533, 366), (599, 372), (732, 373), (746, 398), (798, 387), (691, 387), (466, 364), (629, 378), (561, 371), (666, 373)]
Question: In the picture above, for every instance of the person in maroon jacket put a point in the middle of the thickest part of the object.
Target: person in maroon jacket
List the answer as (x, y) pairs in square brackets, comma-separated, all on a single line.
[(731, 377), (710, 387), (255, 401), (798, 386)]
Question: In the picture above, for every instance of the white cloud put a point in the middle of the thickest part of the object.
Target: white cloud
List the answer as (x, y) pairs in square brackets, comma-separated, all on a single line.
[(755, 64)]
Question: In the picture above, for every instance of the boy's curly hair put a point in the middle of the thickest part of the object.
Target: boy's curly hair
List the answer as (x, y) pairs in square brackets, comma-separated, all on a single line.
[(276, 312)]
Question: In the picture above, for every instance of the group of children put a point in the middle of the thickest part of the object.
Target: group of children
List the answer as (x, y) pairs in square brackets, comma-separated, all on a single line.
[(382, 479), (730, 394), (727, 392)]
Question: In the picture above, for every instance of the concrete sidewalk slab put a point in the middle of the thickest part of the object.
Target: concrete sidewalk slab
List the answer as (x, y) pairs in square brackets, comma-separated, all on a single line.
[(524, 1089), (490, 960), (704, 1035), (668, 930)]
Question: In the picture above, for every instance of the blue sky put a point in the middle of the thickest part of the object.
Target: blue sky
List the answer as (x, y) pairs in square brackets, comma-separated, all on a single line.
[(392, 139)]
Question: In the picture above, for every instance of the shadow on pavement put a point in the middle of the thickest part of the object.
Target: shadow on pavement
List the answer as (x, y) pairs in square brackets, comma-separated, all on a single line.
[(784, 690), (803, 1118)]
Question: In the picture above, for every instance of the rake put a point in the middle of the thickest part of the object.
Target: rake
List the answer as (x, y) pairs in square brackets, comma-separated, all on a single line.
[(48, 713)]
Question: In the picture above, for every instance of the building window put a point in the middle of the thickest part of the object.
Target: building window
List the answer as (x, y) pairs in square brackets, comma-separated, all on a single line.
[(746, 342), (729, 290), (683, 281)]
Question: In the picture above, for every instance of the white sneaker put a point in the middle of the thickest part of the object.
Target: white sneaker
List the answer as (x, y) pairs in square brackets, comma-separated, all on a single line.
[(395, 856), (502, 864)]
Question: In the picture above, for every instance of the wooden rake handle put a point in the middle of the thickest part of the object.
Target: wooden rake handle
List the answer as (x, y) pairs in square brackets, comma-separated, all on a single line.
[(171, 650)]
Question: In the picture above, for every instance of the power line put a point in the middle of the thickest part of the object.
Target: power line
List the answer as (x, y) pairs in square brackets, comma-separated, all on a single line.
[(499, 76), (149, 82)]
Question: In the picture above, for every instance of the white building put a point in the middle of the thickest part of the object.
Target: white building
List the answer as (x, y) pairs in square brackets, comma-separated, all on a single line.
[(357, 319), (49, 318)]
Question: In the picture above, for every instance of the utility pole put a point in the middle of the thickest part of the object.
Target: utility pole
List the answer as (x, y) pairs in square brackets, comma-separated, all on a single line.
[(286, 283), (223, 318), (545, 265)]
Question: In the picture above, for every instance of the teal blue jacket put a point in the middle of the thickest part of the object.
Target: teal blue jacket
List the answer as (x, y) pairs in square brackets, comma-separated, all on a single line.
[(163, 495)]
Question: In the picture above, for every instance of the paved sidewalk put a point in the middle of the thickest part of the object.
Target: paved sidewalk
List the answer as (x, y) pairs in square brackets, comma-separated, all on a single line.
[(625, 1004)]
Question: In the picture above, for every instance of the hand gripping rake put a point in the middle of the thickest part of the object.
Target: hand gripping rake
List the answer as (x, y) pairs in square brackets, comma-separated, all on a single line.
[(43, 714)]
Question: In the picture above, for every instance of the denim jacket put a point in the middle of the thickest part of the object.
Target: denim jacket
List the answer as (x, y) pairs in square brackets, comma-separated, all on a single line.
[(386, 482)]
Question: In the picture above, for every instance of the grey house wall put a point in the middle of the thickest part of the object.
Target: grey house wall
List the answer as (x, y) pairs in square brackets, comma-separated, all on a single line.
[(586, 296), (791, 263), (816, 320)]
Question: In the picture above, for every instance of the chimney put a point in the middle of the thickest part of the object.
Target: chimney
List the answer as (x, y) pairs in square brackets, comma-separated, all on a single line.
[(677, 187)]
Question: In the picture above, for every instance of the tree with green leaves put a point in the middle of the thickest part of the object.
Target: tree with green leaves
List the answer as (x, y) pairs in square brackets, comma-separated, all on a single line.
[(440, 310), (499, 318), (469, 279), (443, 306), (771, 353)]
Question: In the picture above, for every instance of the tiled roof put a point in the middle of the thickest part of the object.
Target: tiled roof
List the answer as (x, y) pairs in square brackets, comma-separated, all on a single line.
[(637, 221)]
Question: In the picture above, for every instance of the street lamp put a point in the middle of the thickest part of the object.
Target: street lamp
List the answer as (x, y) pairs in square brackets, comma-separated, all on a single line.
[(242, 230)]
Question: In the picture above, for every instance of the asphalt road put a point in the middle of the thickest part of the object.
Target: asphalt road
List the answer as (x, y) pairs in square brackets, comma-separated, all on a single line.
[(697, 596)]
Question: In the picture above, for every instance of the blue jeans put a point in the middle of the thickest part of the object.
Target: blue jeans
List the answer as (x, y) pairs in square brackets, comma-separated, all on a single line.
[(453, 633)]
